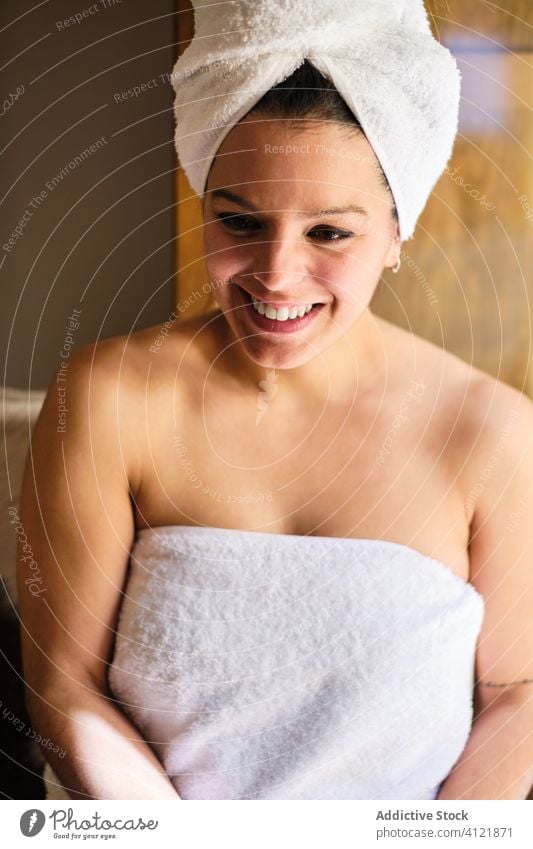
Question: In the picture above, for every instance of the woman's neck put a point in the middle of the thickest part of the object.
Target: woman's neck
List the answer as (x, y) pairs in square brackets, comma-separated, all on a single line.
[(353, 365)]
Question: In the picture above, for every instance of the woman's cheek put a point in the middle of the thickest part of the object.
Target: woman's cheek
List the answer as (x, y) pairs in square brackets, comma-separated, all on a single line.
[(336, 270), (221, 263), (214, 246), (352, 279), (222, 258)]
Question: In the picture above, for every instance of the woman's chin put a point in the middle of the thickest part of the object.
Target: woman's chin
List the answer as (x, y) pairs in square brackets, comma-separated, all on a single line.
[(269, 355)]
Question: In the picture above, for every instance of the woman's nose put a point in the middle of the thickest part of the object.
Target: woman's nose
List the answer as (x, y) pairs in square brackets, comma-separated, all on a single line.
[(278, 264)]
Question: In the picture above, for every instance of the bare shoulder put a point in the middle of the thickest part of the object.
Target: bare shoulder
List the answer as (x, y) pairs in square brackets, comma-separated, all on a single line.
[(161, 349), (474, 419), (496, 429), (491, 414), (126, 362), (125, 374), (480, 402), (102, 374)]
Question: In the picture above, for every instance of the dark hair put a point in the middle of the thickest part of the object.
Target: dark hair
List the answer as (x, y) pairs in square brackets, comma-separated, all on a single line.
[(309, 96)]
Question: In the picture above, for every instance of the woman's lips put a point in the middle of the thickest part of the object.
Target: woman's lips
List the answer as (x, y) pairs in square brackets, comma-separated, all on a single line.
[(272, 325)]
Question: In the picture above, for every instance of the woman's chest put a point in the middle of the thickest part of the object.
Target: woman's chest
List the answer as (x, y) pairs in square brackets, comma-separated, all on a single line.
[(361, 476)]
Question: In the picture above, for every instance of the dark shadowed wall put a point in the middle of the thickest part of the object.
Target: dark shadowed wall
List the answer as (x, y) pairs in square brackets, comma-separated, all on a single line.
[(87, 176)]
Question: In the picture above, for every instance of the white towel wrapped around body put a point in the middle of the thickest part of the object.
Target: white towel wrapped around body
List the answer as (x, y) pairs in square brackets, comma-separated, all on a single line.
[(268, 666)]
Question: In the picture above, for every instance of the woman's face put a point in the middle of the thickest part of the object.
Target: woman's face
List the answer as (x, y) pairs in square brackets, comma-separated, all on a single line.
[(294, 218)]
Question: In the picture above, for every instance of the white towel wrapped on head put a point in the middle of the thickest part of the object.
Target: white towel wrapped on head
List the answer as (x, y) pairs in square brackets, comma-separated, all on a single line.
[(398, 80)]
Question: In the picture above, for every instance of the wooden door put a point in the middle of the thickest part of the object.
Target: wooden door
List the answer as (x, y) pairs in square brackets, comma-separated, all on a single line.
[(191, 271)]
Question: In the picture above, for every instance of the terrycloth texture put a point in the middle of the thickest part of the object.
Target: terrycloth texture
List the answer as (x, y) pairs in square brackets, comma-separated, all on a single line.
[(401, 84), (264, 666)]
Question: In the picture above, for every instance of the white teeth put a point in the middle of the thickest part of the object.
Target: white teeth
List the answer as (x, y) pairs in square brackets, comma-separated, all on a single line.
[(283, 313)]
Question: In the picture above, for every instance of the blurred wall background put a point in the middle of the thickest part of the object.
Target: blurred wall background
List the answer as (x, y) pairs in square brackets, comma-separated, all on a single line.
[(86, 178), (87, 237)]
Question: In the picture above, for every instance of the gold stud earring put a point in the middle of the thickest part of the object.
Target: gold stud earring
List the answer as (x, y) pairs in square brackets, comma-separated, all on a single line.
[(395, 268)]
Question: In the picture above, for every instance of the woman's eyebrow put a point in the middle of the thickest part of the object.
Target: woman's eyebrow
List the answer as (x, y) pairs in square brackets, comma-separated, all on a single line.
[(319, 213)]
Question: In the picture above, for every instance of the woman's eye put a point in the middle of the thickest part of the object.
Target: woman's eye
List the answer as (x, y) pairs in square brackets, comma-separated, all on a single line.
[(332, 235), (236, 221), (244, 223)]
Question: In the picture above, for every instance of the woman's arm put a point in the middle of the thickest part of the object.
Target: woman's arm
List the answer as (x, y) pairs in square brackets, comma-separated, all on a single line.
[(497, 762), (75, 534), (102, 755)]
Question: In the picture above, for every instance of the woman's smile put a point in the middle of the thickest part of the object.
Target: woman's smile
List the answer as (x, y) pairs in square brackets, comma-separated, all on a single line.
[(275, 317), (300, 246)]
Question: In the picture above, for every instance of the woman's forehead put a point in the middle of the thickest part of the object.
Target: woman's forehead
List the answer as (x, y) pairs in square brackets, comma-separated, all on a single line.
[(301, 178), (273, 149), (266, 130)]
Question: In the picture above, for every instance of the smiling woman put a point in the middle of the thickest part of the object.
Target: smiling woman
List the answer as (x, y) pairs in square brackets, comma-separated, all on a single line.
[(306, 105), (317, 592), (310, 231)]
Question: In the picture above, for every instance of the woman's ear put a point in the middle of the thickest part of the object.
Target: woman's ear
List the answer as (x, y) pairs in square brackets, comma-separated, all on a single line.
[(393, 257)]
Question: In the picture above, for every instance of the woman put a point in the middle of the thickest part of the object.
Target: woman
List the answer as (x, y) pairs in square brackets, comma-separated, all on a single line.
[(315, 506)]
